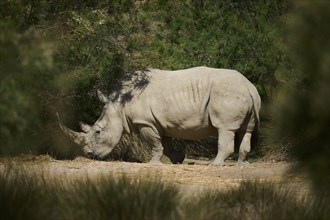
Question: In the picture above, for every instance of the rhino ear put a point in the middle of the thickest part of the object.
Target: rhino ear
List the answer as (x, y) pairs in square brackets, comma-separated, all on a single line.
[(102, 97), (85, 127)]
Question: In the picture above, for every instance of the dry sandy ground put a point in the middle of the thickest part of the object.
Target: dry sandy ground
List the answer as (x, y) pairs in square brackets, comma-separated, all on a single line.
[(191, 178)]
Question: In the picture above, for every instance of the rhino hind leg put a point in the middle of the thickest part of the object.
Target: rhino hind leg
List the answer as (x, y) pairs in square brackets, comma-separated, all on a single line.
[(245, 138), (225, 147), (176, 157), (244, 148)]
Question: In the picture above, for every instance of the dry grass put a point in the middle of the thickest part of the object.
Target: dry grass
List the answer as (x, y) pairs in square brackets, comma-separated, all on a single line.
[(257, 200), (28, 193)]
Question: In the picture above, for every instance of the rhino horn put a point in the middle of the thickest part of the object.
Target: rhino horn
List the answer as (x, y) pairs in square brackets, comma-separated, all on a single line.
[(102, 97), (75, 136), (85, 127)]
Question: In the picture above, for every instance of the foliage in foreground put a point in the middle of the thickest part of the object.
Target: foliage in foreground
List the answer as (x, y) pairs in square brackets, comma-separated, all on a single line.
[(28, 196), (257, 200), (301, 109)]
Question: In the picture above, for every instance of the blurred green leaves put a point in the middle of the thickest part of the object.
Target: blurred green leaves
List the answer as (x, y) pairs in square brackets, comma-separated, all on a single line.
[(302, 113), (26, 72)]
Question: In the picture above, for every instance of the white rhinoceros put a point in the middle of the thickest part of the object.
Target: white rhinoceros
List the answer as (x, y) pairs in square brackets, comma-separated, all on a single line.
[(189, 104)]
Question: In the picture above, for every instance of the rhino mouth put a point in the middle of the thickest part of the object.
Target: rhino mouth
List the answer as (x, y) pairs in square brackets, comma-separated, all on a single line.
[(98, 155), (90, 154)]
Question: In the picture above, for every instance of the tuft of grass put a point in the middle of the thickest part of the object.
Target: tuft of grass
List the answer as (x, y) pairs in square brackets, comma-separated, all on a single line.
[(26, 195), (256, 200), (125, 198), (23, 196)]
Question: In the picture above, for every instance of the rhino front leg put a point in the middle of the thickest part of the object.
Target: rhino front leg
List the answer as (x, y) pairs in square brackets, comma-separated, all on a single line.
[(174, 155), (153, 139)]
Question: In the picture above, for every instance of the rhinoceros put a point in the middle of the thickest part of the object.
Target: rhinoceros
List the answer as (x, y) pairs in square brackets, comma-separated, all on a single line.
[(189, 104)]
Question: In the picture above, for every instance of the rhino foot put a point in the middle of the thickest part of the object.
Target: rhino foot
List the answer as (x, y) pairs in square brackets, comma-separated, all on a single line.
[(155, 162), (217, 163), (242, 163)]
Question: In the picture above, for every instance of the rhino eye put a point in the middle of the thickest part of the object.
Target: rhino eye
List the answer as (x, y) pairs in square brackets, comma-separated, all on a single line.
[(98, 132)]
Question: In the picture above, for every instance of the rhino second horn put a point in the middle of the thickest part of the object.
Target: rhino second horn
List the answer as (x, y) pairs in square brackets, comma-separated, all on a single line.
[(85, 127), (102, 97), (75, 136)]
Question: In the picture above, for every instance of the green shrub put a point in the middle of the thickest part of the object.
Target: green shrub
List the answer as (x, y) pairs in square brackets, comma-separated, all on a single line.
[(302, 109), (63, 51), (26, 72)]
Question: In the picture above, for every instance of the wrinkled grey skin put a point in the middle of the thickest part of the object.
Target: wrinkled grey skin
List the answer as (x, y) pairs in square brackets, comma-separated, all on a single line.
[(189, 104)]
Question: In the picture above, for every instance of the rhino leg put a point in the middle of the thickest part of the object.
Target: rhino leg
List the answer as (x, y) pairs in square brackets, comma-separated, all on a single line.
[(174, 155), (225, 147), (153, 139), (245, 144), (244, 148)]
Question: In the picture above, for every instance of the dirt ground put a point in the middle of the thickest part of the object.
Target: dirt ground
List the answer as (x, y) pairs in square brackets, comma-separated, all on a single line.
[(191, 177)]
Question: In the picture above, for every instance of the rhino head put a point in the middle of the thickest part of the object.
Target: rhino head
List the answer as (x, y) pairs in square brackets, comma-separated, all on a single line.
[(98, 140)]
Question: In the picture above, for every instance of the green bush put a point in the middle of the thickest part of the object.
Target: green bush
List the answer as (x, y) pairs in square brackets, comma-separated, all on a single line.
[(63, 51), (302, 109), (26, 72)]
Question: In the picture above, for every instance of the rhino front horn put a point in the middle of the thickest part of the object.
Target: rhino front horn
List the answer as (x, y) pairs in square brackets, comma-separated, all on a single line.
[(75, 136)]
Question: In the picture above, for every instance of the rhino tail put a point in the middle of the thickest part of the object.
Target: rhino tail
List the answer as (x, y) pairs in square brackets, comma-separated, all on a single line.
[(256, 102)]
